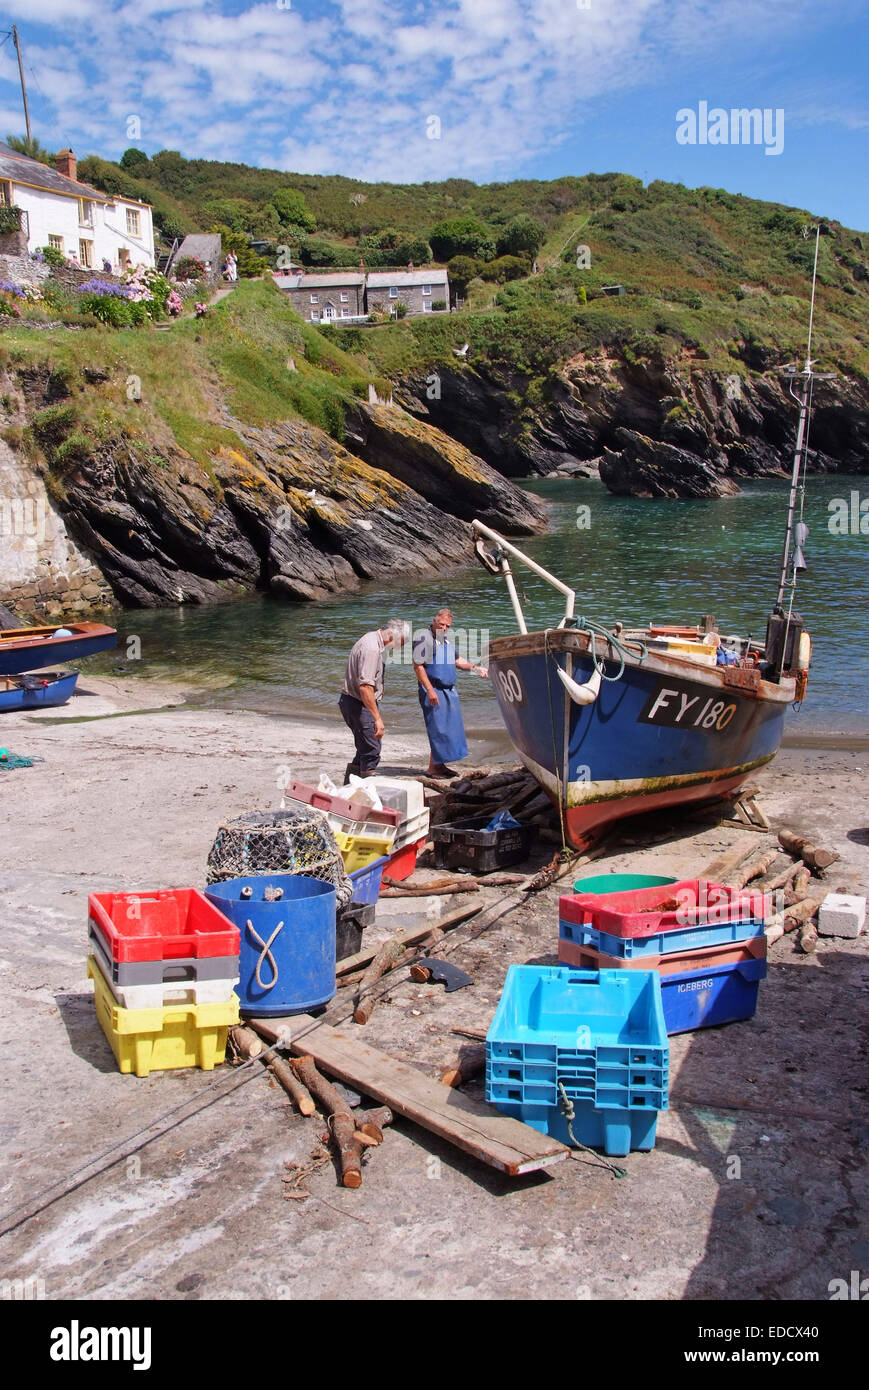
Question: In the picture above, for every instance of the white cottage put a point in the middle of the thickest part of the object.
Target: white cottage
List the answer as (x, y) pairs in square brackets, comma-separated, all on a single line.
[(88, 226)]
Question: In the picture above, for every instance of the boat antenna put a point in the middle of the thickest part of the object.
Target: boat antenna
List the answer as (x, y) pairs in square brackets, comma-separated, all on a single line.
[(803, 397)]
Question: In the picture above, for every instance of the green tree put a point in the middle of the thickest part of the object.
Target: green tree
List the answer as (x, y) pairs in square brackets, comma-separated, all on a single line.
[(462, 236), (505, 268), (292, 208), (461, 270), (521, 237), (31, 148), (136, 161)]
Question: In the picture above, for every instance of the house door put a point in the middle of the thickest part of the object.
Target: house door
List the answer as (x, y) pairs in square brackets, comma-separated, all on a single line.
[(329, 312)]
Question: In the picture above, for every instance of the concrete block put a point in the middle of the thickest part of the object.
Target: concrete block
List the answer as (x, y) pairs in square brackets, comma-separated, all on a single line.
[(842, 914)]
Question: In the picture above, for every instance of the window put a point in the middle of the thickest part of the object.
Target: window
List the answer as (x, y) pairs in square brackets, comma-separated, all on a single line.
[(393, 292), (123, 257), (426, 289), (85, 213), (86, 254), (133, 223), (315, 313), (55, 241), (5, 194), (345, 297), (345, 313), (426, 306), (315, 299)]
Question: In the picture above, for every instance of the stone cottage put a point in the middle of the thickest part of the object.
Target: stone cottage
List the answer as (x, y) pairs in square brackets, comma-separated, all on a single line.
[(326, 298)]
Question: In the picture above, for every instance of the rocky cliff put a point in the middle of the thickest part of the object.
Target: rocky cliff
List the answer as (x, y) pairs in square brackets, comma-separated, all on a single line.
[(663, 427), (290, 510)]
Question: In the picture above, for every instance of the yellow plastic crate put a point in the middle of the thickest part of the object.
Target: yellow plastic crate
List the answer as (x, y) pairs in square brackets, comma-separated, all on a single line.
[(177, 1035), (358, 851)]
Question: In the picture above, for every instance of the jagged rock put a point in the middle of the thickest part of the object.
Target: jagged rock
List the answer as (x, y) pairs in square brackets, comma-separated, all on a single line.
[(446, 473), (291, 510), (644, 467)]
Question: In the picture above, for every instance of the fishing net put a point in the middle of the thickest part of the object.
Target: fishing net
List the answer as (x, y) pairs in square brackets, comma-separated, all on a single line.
[(279, 842)]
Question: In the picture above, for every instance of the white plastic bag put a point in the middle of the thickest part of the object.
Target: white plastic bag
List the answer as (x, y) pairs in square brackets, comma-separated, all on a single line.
[(363, 792), (326, 784)]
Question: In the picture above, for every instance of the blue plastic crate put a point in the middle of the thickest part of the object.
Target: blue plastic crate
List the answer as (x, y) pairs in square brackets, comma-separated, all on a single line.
[(706, 998), (617, 1132), (366, 881), (660, 943), (602, 1040)]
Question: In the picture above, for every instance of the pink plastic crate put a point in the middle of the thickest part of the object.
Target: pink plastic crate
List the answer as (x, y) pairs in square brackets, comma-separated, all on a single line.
[(645, 911), (705, 958), (348, 810)]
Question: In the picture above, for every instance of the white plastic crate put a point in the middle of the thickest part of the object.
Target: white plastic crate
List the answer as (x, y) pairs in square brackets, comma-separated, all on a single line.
[(416, 828)]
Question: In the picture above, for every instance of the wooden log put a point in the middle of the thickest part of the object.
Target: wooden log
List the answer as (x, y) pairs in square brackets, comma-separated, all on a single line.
[(754, 868), (411, 936), (406, 886), (469, 1063), (341, 1123), (469, 886), (372, 1123), (815, 856), (386, 957), (803, 911), (781, 880), (800, 886), (477, 1034), (808, 938), (774, 931), (246, 1042), (283, 1072)]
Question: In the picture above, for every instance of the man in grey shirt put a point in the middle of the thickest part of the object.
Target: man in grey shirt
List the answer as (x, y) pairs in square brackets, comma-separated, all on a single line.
[(362, 692)]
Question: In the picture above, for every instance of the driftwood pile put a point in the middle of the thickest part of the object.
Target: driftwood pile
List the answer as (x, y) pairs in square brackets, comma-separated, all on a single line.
[(791, 872), (485, 793)]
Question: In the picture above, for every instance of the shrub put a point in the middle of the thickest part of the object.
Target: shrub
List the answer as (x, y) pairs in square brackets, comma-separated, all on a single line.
[(10, 218), (51, 425), (439, 304), (56, 259), (505, 268), (461, 270), (189, 268), (400, 309), (462, 236), (523, 236)]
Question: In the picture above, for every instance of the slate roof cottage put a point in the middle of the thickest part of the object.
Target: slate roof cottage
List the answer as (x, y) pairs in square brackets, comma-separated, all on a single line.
[(350, 294), (82, 222), (419, 290)]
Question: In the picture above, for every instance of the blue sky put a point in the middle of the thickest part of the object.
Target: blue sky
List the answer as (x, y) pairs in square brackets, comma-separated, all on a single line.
[(520, 88)]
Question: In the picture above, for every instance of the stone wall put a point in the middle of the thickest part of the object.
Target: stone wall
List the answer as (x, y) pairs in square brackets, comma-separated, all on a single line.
[(42, 571)]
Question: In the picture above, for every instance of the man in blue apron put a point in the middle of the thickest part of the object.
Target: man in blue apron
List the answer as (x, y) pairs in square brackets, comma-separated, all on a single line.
[(435, 664)]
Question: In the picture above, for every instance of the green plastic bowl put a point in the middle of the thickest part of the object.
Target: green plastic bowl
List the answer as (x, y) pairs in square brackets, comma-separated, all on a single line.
[(621, 883)]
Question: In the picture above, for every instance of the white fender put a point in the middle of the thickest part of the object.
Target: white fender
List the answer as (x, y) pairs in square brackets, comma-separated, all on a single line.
[(581, 694)]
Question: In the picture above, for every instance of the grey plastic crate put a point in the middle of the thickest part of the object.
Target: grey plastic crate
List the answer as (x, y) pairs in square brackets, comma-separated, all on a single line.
[(151, 972), (468, 845)]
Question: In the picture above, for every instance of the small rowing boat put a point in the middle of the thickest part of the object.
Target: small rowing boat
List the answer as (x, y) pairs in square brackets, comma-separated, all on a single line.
[(30, 648), (40, 691)]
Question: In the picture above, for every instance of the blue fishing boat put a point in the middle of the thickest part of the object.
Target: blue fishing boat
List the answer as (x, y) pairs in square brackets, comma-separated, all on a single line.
[(31, 648), (616, 721), (37, 691)]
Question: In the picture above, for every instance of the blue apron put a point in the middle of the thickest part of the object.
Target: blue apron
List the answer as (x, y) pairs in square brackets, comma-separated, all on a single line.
[(443, 722)]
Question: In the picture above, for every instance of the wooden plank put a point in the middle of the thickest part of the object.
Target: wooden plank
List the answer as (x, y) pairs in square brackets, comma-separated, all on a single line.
[(409, 937), (476, 1128)]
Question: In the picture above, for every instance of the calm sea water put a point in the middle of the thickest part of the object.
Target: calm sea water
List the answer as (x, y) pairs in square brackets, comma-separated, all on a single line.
[(637, 561)]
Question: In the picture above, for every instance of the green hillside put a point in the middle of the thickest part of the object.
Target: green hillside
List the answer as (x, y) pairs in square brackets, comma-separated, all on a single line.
[(706, 273)]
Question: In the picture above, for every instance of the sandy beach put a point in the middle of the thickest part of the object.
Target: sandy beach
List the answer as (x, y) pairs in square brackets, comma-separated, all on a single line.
[(133, 785)]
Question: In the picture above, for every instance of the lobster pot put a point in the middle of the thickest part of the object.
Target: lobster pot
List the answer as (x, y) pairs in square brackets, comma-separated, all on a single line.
[(287, 960), (298, 841)]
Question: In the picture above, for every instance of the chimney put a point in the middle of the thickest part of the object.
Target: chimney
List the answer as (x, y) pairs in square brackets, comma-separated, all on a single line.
[(65, 163)]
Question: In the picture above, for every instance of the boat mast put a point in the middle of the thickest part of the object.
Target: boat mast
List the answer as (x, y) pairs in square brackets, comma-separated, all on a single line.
[(801, 446)]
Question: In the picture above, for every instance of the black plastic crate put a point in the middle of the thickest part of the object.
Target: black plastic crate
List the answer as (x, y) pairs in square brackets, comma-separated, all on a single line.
[(466, 844), (349, 926)]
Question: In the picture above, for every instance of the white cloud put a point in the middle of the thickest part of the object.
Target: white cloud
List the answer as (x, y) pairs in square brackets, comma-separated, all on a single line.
[(347, 86)]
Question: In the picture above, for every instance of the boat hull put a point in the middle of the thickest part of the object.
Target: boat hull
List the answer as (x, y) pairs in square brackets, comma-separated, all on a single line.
[(31, 649), (57, 690), (667, 732)]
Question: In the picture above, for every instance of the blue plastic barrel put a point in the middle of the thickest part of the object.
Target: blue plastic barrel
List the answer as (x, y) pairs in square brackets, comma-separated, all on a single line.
[(287, 959)]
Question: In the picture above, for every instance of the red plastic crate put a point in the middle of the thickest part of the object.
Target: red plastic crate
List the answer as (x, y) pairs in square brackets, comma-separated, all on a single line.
[(706, 958), (402, 864), (350, 810), (162, 925), (691, 902)]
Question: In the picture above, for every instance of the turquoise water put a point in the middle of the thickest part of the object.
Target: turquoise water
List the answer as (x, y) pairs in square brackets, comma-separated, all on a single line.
[(637, 561)]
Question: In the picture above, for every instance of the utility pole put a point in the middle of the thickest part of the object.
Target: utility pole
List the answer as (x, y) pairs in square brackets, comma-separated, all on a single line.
[(21, 75)]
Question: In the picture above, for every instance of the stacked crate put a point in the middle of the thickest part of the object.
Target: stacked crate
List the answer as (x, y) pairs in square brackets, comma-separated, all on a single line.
[(581, 1055), (405, 796), (164, 967), (706, 942)]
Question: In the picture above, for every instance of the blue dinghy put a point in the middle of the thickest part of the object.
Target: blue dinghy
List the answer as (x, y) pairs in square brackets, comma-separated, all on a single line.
[(37, 691)]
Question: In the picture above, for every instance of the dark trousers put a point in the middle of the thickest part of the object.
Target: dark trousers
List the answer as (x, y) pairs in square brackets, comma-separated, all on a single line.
[(360, 721)]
